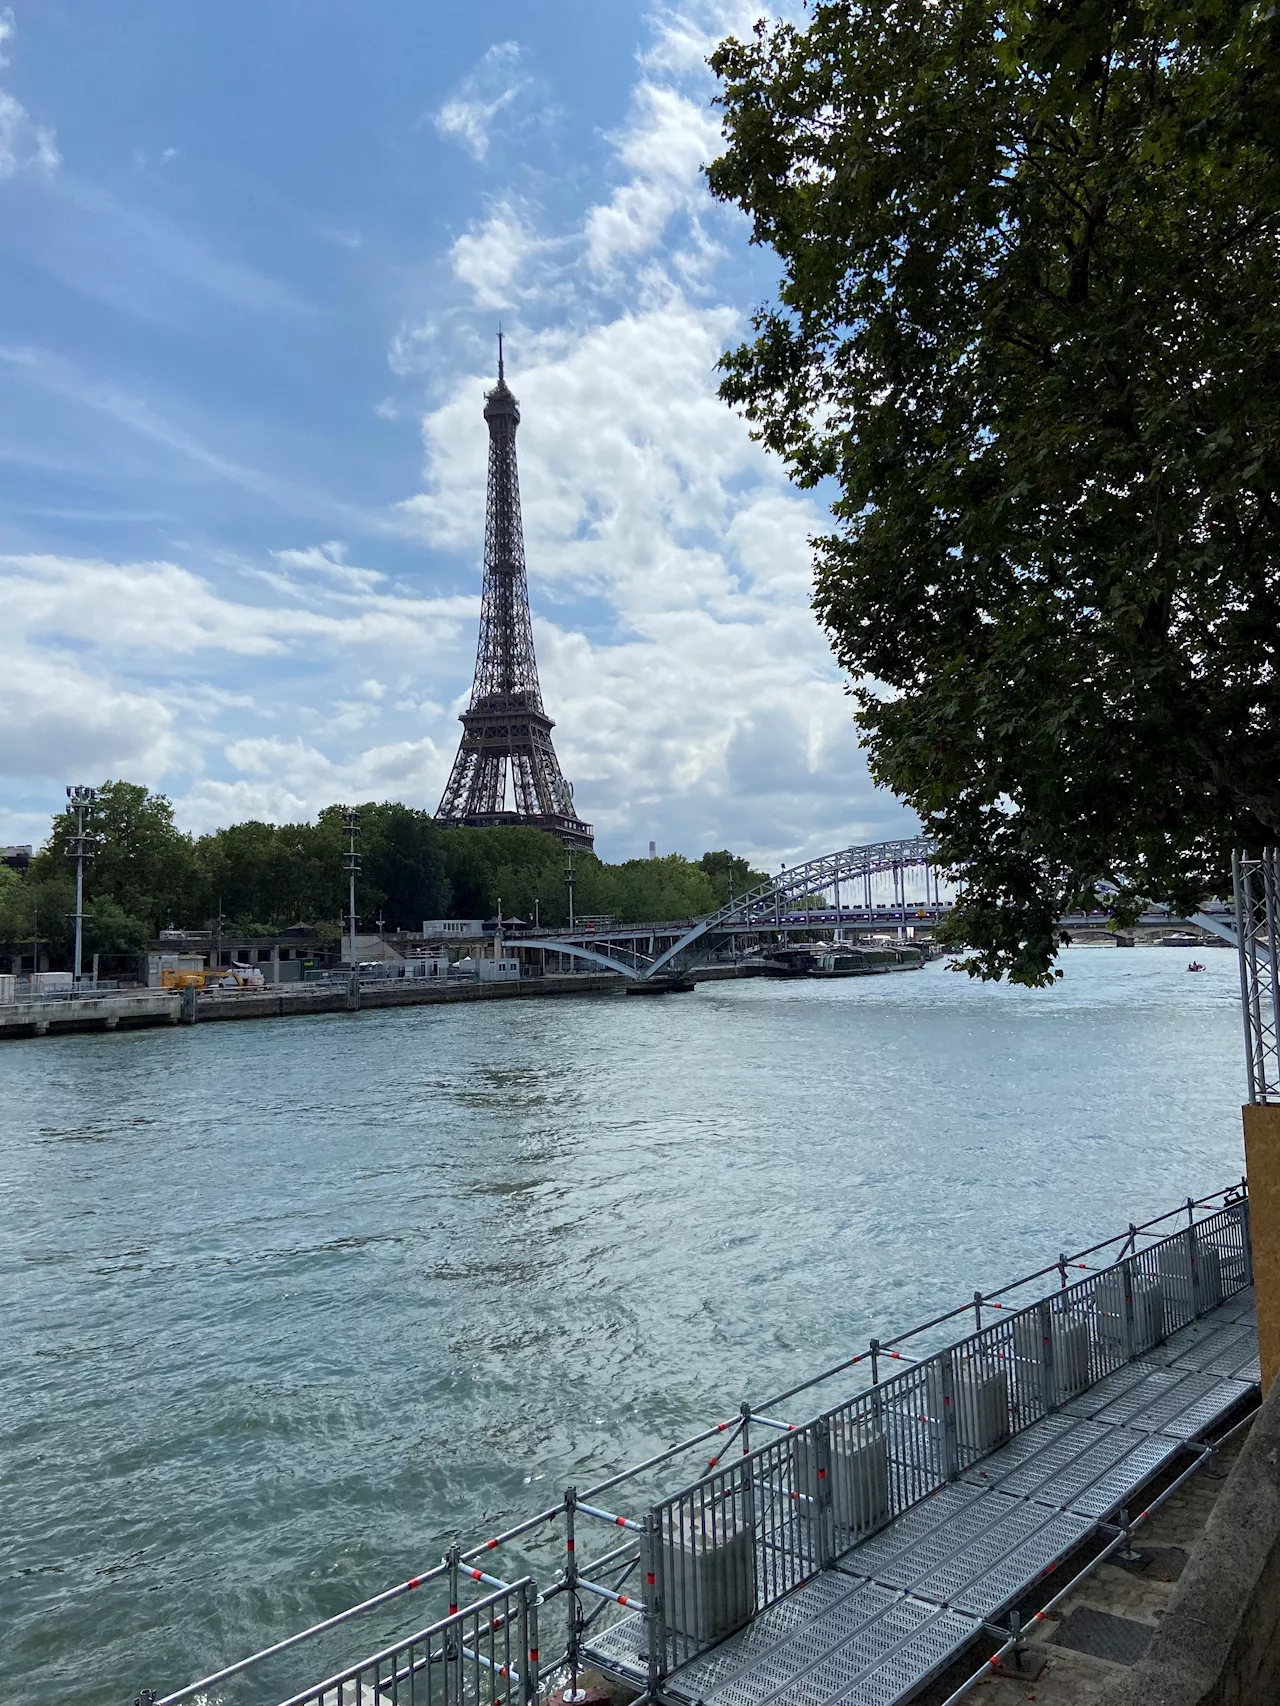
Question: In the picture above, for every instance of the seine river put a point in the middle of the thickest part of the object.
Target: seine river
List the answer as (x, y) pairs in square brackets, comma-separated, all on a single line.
[(288, 1304)]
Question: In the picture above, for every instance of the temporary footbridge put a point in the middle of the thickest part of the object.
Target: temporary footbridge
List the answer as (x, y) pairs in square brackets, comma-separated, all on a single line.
[(846, 1551)]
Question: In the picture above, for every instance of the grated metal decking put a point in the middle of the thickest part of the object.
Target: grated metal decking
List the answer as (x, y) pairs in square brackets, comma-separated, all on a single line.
[(904, 1603)]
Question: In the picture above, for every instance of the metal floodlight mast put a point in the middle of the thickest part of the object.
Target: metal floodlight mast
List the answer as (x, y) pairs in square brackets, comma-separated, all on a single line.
[(84, 844), (351, 823), (506, 751)]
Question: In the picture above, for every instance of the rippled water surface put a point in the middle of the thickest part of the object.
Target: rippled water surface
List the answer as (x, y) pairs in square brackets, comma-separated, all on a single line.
[(286, 1305)]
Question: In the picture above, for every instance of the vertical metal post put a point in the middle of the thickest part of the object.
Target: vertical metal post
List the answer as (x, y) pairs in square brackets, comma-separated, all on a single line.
[(950, 1437), (977, 1311), (1244, 924), (83, 842), (1130, 1332), (1197, 1283), (1125, 1553), (826, 1520), (571, 1582), (453, 1677), (1270, 885), (655, 1600), (79, 959), (1048, 1374), (1246, 1235), (875, 1362), (744, 1410), (531, 1642), (351, 823)]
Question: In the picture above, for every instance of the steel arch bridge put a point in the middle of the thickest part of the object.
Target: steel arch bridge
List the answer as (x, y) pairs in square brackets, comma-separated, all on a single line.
[(769, 906)]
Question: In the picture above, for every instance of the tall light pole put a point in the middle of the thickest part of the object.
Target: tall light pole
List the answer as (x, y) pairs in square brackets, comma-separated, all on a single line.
[(568, 880), (351, 823), (83, 844)]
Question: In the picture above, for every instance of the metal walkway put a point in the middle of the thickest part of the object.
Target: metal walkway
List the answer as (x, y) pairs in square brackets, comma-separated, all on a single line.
[(899, 1607)]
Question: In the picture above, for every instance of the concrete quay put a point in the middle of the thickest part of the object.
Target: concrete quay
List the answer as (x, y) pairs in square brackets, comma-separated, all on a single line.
[(132, 1011)]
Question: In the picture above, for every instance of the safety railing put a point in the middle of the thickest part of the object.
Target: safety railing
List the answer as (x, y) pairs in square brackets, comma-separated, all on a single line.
[(776, 1502), (739, 1539), (483, 1655)]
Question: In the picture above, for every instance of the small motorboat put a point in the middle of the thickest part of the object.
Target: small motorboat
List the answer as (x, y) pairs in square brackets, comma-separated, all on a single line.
[(1195, 966)]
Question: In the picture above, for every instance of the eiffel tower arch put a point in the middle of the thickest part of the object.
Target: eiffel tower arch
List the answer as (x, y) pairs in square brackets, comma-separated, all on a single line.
[(506, 770)]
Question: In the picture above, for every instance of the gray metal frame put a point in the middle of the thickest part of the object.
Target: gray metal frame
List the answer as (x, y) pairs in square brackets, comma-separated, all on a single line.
[(972, 1468), (1257, 901)]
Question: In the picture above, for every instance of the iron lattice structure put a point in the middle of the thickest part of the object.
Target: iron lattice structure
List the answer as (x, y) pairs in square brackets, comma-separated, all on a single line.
[(506, 771), (1257, 897)]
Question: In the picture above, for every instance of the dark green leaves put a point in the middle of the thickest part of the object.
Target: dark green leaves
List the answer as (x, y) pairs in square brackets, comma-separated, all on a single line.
[(1028, 320)]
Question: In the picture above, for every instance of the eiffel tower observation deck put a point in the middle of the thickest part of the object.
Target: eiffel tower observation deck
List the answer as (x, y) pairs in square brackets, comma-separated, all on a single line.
[(506, 771)]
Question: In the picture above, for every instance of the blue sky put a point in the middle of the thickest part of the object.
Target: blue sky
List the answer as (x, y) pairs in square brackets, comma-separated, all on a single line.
[(253, 258)]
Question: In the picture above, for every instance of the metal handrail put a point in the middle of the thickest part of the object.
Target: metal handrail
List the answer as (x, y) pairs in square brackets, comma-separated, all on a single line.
[(731, 1427)]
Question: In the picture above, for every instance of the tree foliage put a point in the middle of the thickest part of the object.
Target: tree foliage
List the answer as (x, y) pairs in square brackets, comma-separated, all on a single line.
[(260, 878), (1028, 324)]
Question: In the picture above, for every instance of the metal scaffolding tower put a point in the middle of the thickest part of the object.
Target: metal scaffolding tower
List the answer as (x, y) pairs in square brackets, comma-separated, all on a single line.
[(506, 771), (1257, 898)]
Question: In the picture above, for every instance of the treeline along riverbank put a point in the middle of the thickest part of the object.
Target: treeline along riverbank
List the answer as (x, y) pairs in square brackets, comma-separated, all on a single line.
[(148, 875)]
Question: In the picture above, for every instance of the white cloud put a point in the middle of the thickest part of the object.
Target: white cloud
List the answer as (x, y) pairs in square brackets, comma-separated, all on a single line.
[(470, 115), (154, 609), (61, 717), (502, 260), (695, 698), (663, 150), (24, 144), (702, 705), (116, 668)]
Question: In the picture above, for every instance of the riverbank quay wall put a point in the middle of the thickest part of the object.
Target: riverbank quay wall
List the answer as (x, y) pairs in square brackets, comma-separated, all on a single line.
[(136, 1011), (149, 1008)]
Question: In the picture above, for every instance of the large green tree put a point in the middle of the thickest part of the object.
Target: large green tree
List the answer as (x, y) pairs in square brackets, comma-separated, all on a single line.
[(143, 865), (1028, 325)]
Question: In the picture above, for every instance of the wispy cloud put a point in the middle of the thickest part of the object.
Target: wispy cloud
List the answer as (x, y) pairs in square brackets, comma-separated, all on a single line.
[(53, 372), (487, 98), (24, 144)]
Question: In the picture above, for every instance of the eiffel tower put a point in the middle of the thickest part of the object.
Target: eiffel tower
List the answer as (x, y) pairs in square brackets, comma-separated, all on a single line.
[(506, 771)]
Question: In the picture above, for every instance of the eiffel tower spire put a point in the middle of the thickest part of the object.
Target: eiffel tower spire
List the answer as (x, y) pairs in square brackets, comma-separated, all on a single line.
[(506, 771)]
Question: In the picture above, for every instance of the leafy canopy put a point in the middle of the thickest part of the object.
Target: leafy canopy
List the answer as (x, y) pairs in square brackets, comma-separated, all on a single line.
[(262, 877), (1028, 325)]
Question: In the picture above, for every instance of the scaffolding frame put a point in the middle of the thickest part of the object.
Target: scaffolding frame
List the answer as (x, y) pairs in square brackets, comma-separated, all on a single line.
[(1256, 882), (801, 1491)]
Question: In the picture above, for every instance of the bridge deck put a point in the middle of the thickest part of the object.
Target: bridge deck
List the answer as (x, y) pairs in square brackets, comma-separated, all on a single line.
[(903, 1604)]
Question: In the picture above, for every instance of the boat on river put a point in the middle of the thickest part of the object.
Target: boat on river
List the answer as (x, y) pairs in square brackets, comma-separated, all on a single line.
[(843, 960)]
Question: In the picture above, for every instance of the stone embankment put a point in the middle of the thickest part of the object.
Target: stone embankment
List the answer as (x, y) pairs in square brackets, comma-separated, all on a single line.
[(132, 1011)]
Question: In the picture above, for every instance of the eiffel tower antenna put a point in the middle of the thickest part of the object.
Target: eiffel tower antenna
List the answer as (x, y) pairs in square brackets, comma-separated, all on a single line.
[(506, 771)]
